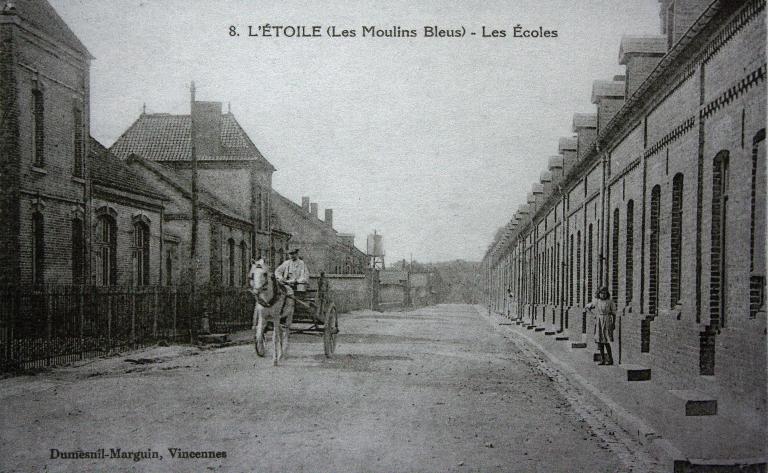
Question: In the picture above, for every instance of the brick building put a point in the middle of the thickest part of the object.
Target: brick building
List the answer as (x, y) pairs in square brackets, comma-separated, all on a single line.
[(322, 247), (660, 195), (44, 105)]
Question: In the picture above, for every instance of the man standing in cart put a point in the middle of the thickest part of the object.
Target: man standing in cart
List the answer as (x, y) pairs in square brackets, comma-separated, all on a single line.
[(293, 274)]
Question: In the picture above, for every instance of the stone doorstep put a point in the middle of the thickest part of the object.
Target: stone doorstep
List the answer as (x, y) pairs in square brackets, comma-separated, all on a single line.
[(636, 372), (578, 344), (695, 403), (213, 338)]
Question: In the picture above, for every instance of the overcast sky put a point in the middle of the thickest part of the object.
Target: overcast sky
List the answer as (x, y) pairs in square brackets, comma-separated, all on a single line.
[(432, 142)]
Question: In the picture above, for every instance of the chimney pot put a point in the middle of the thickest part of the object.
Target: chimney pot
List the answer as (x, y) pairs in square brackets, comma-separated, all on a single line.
[(305, 204), (313, 209), (329, 217)]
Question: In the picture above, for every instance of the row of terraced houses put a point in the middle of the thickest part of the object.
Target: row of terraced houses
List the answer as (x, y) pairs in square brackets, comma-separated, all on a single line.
[(659, 195)]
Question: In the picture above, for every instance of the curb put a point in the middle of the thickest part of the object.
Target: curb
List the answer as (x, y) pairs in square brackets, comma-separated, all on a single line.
[(661, 448)]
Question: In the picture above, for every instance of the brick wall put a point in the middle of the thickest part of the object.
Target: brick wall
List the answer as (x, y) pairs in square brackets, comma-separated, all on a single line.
[(691, 336)]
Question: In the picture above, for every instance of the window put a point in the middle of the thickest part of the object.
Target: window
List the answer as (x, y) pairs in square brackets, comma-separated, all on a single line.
[(570, 272), (590, 266), (78, 252), (578, 267), (38, 249), (244, 263), (653, 252), (106, 242), (231, 258), (629, 267), (168, 267), (615, 257), (38, 128), (141, 253), (676, 240), (757, 227), (78, 143), (718, 274)]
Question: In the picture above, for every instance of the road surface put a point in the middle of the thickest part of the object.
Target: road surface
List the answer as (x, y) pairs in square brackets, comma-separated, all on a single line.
[(433, 390)]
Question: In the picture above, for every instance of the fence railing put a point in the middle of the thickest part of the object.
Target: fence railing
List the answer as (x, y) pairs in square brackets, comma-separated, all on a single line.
[(47, 325)]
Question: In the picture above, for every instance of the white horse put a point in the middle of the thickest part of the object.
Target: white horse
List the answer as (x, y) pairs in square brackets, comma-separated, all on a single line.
[(271, 301)]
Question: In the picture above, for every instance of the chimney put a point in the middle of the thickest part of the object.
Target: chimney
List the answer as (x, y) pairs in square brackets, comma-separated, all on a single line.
[(207, 119), (677, 16), (608, 95), (640, 55), (305, 204), (329, 217), (546, 181), (555, 167), (313, 209), (585, 127), (567, 146)]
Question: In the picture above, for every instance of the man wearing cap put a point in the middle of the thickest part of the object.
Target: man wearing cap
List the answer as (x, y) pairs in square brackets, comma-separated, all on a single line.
[(293, 271)]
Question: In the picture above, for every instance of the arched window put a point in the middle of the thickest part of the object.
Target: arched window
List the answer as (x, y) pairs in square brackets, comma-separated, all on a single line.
[(38, 128), (570, 272), (38, 249), (676, 240), (578, 267), (757, 227), (78, 251), (79, 146), (718, 271), (653, 251), (141, 253), (615, 257), (231, 257), (244, 266), (590, 266), (168, 267), (629, 266), (106, 243)]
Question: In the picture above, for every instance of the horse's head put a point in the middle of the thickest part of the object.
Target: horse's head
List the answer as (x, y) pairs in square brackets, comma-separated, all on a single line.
[(259, 276)]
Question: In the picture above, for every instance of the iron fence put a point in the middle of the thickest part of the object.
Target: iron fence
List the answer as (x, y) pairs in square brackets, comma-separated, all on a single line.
[(49, 325)]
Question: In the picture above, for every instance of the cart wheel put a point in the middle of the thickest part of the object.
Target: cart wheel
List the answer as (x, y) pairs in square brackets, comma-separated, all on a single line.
[(260, 345), (330, 330)]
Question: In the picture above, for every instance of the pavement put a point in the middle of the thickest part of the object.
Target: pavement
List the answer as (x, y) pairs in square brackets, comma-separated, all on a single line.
[(438, 389), (729, 441)]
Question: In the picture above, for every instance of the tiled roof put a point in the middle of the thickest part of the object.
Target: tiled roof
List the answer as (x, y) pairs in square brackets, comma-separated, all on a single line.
[(184, 185), (584, 120), (296, 208), (648, 45), (106, 169), (165, 137), (42, 15), (607, 88)]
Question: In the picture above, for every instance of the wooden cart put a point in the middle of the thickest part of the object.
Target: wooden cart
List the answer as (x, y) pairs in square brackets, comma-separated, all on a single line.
[(313, 312)]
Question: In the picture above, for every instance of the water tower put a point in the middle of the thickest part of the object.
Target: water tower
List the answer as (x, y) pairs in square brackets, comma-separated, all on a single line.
[(375, 251)]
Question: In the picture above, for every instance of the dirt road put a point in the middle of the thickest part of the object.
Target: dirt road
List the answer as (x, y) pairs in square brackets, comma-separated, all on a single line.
[(439, 389)]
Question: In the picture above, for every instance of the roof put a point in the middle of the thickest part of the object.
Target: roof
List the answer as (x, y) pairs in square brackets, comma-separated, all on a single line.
[(569, 143), (296, 208), (642, 45), (584, 120), (41, 15), (555, 162), (545, 176), (607, 88), (166, 137), (106, 169), (392, 276), (184, 185)]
